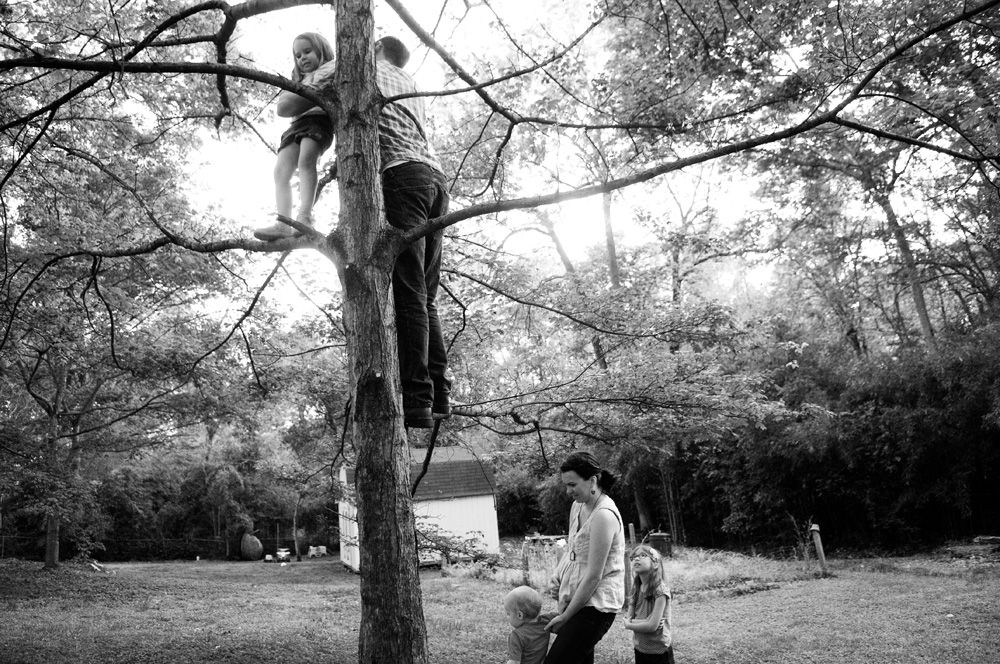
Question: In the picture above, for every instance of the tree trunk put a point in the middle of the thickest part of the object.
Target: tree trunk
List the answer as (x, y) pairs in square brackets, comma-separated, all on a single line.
[(676, 278), (642, 507), (613, 274), (676, 282), (602, 361), (295, 527), (909, 265), (609, 238), (595, 341), (392, 620), (51, 541), (673, 503), (560, 249)]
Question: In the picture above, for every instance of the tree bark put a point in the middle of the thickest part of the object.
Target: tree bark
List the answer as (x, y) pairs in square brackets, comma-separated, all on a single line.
[(392, 620)]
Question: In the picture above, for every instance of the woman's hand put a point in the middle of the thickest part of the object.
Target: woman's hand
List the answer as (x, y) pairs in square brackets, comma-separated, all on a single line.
[(556, 623)]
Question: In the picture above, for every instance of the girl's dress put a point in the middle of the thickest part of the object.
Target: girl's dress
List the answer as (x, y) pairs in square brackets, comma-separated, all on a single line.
[(313, 123)]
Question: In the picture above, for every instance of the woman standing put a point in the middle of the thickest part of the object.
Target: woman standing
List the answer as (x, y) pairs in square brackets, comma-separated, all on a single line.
[(591, 575)]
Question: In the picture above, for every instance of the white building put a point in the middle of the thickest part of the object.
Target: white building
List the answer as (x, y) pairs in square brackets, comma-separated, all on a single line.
[(456, 494)]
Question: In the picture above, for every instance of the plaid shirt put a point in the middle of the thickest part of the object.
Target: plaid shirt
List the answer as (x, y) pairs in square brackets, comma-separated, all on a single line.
[(402, 134)]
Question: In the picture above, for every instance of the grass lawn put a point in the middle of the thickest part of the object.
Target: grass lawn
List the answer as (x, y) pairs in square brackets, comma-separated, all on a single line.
[(728, 609)]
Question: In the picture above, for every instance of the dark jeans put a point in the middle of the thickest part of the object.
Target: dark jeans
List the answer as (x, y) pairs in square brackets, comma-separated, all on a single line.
[(662, 658), (576, 639), (414, 193)]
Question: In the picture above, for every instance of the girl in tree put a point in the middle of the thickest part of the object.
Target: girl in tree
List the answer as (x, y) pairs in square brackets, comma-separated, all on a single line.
[(308, 137), (649, 610)]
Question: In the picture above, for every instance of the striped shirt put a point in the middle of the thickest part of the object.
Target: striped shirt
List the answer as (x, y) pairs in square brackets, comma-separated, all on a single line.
[(401, 124)]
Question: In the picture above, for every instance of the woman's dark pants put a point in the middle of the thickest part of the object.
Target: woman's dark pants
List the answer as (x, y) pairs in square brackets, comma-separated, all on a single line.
[(576, 639)]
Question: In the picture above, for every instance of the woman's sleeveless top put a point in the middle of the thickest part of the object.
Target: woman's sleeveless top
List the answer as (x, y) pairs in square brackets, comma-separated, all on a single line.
[(609, 596)]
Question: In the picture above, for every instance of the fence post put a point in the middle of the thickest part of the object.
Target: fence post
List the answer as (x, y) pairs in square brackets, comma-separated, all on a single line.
[(818, 543), (628, 562), (524, 564)]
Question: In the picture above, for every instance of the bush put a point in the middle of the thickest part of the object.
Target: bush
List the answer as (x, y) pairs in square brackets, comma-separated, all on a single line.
[(251, 548)]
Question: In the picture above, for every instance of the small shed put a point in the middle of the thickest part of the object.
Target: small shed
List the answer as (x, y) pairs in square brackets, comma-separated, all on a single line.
[(457, 494)]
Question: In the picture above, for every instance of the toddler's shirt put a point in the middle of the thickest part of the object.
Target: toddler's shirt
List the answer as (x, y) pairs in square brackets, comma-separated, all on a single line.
[(529, 643)]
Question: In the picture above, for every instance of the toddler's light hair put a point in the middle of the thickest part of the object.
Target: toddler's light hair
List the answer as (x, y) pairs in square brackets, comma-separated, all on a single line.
[(524, 599)]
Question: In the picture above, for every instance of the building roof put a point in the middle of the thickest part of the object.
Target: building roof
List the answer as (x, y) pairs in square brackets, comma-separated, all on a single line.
[(449, 479)]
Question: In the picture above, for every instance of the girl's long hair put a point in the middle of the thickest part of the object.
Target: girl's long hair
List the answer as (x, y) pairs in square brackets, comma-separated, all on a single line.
[(319, 44), (657, 582)]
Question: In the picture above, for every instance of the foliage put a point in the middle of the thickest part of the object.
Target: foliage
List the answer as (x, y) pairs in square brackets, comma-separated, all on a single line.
[(517, 501), (437, 543), (900, 459), (250, 547)]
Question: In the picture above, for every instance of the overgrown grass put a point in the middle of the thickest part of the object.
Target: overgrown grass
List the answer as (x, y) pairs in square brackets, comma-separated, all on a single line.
[(729, 608), (689, 571)]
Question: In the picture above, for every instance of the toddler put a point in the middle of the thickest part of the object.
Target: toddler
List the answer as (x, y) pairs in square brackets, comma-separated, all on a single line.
[(528, 642), (308, 137)]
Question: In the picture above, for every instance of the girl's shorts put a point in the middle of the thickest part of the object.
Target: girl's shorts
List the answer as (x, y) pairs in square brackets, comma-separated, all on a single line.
[(316, 126)]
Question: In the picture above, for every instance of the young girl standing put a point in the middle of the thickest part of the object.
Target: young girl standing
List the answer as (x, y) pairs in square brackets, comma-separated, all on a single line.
[(309, 136), (649, 610)]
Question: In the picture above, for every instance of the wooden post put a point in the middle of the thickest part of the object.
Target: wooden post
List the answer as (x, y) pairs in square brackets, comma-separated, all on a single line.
[(524, 564), (628, 562), (818, 543)]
